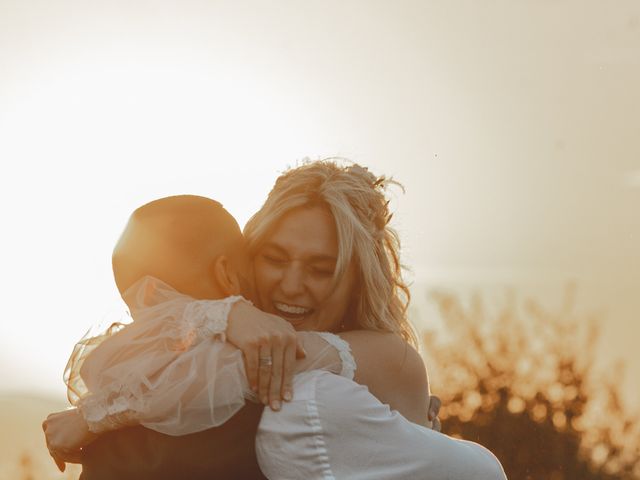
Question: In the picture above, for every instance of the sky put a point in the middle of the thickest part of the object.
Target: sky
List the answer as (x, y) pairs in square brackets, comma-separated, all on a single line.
[(513, 126)]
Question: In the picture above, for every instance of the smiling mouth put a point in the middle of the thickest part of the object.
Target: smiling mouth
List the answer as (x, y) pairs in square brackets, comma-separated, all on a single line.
[(294, 313)]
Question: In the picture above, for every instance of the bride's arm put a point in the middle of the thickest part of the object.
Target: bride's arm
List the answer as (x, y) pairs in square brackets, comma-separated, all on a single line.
[(395, 374), (145, 375)]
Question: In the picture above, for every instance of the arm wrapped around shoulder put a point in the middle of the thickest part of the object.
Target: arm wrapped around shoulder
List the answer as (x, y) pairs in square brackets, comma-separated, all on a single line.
[(169, 369)]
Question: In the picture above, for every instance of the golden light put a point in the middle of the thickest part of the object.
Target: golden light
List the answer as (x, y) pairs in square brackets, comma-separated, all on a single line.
[(90, 138)]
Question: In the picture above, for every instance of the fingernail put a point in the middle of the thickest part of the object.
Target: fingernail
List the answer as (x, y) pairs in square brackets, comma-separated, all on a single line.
[(287, 396), (275, 405)]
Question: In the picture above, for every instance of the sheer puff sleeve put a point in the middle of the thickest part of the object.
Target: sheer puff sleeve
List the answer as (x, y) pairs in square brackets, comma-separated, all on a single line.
[(169, 370)]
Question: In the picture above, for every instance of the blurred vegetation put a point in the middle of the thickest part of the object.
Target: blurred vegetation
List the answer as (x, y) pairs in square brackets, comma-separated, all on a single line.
[(521, 381)]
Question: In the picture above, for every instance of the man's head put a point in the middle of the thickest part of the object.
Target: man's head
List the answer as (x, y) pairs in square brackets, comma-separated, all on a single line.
[(189, 242)]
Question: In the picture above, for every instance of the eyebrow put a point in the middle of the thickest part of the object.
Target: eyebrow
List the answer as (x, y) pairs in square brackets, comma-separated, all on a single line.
[(313, 258)]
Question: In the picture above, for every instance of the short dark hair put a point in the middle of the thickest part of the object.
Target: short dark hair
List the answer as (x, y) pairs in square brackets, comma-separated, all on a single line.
[(197, 228)]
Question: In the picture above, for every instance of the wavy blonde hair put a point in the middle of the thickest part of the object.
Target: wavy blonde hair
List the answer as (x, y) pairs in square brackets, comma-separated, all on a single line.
[(358, 202)]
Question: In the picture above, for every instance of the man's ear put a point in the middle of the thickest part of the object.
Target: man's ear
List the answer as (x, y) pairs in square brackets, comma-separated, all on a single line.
[(226, 276)]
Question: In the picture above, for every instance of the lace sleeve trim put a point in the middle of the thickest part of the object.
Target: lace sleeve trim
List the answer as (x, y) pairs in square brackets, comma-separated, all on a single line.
[(117, 409), (344, 350), (123, 402), (205, 319)]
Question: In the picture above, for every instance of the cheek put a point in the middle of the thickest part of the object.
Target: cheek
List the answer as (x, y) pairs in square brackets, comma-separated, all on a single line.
[(345, 294), (320, 290), (342, 305), (337, 304), (263, 277)]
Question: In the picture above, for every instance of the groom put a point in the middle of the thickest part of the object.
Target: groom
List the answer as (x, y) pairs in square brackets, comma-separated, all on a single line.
[(357, 437), (193, 244)]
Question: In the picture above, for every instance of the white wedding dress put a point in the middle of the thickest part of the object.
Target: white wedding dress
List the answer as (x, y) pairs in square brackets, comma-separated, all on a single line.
[(335, 429)]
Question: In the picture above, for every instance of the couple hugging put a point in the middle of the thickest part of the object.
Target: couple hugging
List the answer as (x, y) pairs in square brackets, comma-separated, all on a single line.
[(305, 313)]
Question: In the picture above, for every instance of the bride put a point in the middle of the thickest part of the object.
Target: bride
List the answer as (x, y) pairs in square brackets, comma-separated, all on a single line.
[(324, 259)]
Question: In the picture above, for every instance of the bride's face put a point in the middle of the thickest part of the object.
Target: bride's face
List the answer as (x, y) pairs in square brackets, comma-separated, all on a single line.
[(294, 271)]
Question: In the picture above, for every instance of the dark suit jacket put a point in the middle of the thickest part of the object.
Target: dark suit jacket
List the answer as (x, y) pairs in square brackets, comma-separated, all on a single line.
[(225, 452)]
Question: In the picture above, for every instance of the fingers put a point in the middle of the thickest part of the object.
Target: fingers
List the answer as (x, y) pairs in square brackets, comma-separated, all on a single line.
[(437, 426), (300, 351), (288, 371), (73, 456), (56, 458), (434, 407), (62, 457), (265, 361), (251, 366), (269, 349), (275, 387), (59, 463)]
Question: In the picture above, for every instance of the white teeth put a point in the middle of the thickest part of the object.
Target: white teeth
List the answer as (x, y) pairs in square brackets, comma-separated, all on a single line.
[(291, 309)]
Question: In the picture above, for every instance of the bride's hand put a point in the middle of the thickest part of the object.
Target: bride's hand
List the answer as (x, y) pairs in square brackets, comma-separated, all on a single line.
[(66, 433), (434, 409), (270, 348)]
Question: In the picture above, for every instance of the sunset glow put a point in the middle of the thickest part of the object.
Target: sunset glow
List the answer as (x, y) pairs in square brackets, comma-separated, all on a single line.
[(512, 127)]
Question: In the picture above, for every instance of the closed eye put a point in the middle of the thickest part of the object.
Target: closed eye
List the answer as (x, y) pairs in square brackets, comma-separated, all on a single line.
[(324, 272), (274, 260)]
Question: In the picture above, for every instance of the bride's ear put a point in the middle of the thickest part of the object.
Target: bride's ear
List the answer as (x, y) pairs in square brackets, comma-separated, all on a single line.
[(226, 276)]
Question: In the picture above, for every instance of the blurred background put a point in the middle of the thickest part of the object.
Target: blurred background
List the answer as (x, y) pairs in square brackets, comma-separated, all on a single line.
[(514, 127)]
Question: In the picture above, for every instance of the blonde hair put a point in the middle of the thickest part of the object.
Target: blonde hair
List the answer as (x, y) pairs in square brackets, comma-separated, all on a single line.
[(357, 201)]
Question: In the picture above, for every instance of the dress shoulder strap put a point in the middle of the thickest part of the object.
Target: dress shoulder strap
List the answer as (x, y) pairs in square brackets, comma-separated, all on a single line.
[(344, 350)]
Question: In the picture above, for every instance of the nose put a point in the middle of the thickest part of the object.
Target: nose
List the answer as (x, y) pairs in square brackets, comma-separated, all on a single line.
[(292, 281)]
